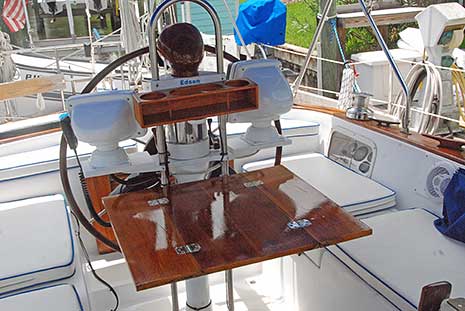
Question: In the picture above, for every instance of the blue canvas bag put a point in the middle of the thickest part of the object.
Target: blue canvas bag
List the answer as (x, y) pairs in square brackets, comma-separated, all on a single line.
[(453, 222), (262, 22)]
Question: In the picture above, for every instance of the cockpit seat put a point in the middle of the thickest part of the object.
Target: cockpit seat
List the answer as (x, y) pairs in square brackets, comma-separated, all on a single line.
[(36, 241), (30, 167), (405, 253), (355, 193), (54, 298)]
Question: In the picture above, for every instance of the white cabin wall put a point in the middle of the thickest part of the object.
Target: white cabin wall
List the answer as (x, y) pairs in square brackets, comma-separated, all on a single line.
[(398, 165), (401, 167), (326, 284)]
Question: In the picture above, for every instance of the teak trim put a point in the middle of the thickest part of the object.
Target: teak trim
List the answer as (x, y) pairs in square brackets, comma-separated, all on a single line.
[(414, 139), (28, 87)]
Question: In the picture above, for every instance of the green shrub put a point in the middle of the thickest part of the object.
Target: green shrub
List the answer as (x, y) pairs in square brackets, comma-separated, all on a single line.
[(301, 24)]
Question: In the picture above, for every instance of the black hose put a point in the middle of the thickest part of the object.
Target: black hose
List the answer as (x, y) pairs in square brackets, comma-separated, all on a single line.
[(89, 263), (135, 181), (90, 205), (72, 201)]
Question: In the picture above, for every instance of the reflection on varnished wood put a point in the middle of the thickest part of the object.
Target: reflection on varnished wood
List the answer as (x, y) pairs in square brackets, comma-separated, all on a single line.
[(235, 225)]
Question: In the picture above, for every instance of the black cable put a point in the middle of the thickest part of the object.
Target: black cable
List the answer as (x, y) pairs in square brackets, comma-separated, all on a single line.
[(199, 309), (85, 190), (131, 182), (71, 139), (223, 152), (72, 200), (94, 273), (279, 150), (121, 181), (139, 141)]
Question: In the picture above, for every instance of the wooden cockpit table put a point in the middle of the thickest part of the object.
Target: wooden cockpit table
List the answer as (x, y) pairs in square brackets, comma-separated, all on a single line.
[(222, 223)]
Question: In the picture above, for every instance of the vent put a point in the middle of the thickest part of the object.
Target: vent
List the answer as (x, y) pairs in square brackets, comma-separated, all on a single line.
[(438, 179)]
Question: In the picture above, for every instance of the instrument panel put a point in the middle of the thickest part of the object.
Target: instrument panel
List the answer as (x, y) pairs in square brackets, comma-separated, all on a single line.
[(353, 151)]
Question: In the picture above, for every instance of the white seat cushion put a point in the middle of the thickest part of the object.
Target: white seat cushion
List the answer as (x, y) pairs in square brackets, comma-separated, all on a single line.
[(55, 298), (36, 242), (355, 193), (40, 155), (290, 127), (405, 253)]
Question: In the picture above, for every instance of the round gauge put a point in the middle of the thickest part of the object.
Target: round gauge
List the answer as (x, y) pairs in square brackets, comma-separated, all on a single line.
[(352, 147), (364, 167), (370, 157), (361, 153)]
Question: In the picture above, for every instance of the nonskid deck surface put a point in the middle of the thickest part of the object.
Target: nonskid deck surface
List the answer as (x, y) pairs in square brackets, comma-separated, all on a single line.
[(256, 287), (249, 296)]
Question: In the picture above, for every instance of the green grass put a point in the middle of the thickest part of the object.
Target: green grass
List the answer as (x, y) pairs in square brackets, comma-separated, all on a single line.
[(301, 23)]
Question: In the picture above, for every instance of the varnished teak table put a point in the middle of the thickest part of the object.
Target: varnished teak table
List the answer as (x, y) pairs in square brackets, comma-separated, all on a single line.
[(233, 221)]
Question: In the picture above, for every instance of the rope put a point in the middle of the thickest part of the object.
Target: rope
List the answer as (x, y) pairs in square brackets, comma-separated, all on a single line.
[(428, 78), (7, 74), (7, 66), (239, 35), (333, 23), (459, 83)]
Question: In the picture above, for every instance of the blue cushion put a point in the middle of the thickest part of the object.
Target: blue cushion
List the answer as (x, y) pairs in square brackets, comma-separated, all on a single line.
[(453, 222)]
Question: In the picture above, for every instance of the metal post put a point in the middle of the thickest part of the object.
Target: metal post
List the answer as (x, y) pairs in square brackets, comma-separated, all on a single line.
[(398, 74), (316, 36), (224, 145), (229, 290), (121, 69), (174, 297), (152, 31), (331, 73), (187, 9), (89, 28), (160, 141), (197, 288), (69, 10), (62, 93), (28, 24), (157, 13)]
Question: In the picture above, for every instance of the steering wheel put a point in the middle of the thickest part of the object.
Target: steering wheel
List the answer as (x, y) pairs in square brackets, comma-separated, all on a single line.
[(63, 145)]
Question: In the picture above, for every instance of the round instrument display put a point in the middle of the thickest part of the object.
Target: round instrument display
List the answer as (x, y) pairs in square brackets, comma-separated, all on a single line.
[(364, 167), (361, 153)]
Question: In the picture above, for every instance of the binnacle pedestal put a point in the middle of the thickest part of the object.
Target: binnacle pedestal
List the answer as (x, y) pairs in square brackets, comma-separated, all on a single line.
[(172, 238)]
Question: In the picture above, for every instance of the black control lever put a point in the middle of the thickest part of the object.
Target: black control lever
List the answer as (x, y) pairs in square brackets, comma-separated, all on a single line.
[(65, 123)]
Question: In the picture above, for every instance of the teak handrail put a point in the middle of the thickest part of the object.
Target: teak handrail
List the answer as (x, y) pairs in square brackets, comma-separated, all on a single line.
[(10, 90), (414, 139)]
